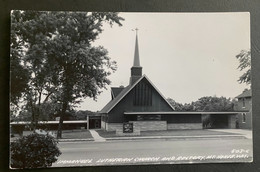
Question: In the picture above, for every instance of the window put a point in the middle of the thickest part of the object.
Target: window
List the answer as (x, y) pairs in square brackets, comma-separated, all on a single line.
[(148, 117), (142, 94), (244, 103), (243, 117)]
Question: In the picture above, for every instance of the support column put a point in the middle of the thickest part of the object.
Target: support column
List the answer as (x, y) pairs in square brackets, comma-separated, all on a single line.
[(88, 122)]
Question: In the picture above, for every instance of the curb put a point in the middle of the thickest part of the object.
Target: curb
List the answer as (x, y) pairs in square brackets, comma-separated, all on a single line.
[(179, 137), (74, 140)]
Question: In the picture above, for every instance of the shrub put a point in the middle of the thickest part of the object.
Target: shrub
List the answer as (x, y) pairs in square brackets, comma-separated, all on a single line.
[(34, 151)]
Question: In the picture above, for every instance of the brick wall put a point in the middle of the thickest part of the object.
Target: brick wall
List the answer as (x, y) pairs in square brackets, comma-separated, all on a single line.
[(150, 125), (136, 132), (248, 122), (153, 126), (113, 126), (142, 125), (103, 124), (184, 126), (248, 104)]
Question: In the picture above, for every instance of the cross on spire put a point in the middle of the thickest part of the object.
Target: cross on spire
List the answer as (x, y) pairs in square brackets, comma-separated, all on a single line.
[(136, 30)]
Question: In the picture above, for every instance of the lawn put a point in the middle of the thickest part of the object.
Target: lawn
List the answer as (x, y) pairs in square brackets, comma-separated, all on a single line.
[(68, 134), (108, 134), (76, 134)]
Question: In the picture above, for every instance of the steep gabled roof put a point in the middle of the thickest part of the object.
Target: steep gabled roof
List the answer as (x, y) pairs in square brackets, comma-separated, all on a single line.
[(246, 93), (124, 92), (114, 101), (115, 91)]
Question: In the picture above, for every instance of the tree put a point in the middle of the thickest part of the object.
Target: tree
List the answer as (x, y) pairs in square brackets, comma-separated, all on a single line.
[(19, 75), (187, 107), (48, 110), (213, 104), (65, 65), (35, 74), (82, 115), (205, 104), (177, 106), (34, 151), (244, 58)]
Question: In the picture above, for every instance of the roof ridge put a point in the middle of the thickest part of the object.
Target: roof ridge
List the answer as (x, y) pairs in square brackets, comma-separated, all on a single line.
[(245, 93)]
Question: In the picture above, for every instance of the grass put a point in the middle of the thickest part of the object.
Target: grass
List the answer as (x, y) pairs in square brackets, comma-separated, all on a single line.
[(66, 134), (76, 134), (108, 134), (85, 134)]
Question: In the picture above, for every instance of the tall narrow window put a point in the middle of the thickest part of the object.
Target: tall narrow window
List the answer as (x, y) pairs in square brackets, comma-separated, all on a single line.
[(244, 103), (244, 117)]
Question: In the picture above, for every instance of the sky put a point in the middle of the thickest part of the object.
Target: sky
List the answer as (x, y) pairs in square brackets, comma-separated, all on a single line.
[(185, 55)]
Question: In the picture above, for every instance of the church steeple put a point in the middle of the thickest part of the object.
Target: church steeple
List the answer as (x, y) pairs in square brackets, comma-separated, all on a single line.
[(136, 70), (136, 56)]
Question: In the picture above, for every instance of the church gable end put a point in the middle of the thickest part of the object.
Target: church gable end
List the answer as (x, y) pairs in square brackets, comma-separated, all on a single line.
[(142, 97), (142, 94)]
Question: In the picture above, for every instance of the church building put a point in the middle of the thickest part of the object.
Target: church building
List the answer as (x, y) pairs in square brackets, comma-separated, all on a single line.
[(142, 104)]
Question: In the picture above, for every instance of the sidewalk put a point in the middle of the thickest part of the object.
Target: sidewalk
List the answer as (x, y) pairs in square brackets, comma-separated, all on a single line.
[(96, 136), (179, 137), (247, 133)]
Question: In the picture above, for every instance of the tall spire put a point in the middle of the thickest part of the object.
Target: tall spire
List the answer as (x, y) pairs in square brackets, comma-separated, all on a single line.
[(136, 70), (136, 56)]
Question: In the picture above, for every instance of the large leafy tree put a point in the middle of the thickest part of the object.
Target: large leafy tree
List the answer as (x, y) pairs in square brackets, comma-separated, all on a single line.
[(65, 65), (214, 104), (36, 86), (244, 58), (19, 74), (205, 104)]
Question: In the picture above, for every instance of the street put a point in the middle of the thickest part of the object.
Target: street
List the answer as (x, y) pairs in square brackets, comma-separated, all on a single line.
[(154, 151)]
